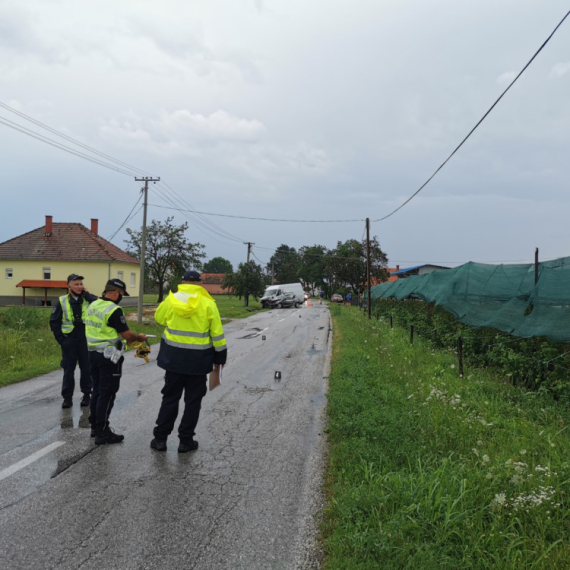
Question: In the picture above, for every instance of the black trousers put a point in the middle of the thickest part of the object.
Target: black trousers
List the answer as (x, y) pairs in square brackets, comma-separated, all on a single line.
[(73, 351), (106, 381), (194, 388)]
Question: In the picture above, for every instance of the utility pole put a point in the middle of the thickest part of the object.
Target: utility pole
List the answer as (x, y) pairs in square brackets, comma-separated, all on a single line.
[(536, 266), (368, 265), (246, 296), (146, 180)]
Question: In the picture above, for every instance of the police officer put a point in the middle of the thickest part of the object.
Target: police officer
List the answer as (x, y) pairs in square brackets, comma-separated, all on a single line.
[(67, 322), (192, 344), (107, 331)]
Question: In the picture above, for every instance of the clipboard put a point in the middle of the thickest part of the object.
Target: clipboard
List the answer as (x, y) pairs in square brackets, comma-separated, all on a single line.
[(215, 377)]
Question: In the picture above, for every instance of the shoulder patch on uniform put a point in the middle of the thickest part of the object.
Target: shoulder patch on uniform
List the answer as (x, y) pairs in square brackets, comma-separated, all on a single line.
[(123, 320)]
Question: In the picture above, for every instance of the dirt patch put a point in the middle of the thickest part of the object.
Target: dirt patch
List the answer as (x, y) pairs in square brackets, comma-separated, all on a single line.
[(147, 314)]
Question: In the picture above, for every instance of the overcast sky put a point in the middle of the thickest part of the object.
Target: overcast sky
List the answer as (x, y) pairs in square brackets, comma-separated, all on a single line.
[(295, 109)]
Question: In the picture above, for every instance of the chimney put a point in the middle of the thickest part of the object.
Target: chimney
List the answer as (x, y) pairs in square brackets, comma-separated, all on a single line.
[(397, 268), (49, 228), (95, 226)]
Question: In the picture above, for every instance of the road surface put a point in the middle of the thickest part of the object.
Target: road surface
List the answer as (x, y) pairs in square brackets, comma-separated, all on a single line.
[(247, 499)]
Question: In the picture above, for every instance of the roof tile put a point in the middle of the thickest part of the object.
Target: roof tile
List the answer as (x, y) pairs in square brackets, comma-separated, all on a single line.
[(67, 242)]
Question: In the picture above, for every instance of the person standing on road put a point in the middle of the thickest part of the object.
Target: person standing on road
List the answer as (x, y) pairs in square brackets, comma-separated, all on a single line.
[(107, 330), (67, 323), (192, 344), (348, 298)]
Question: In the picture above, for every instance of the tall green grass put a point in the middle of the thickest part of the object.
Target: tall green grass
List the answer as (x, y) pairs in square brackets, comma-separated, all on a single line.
[(430, 470), (28, 348)]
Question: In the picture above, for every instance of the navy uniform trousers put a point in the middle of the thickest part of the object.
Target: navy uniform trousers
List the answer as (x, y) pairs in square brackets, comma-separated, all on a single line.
[(194, 388), (73, 351), (106, 381)]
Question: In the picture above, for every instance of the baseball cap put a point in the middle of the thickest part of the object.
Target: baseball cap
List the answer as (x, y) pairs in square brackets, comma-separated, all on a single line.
[(74, 277), (191, 276), (117, 285)]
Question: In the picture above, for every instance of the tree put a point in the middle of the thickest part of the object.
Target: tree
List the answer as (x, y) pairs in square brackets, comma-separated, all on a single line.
[(168, 252), (346, 264), (284, 265), (247, 280), (218, 265), (312, 266)]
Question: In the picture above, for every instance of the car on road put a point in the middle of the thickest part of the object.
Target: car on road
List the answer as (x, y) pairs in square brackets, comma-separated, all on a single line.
[(336, 298), (289, 300)]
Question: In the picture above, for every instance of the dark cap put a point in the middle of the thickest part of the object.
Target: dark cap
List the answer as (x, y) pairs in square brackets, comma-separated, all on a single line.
[(74, 277), (191, 276), (116, 285)]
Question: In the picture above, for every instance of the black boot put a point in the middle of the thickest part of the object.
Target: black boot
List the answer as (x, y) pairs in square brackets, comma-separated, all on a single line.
[(187, 445)]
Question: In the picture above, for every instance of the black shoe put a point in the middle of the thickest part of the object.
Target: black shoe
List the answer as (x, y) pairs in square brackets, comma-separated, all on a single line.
[(67, 403), (85, 401), (108, 436), (158, 444), (93, 432), (187, 445)]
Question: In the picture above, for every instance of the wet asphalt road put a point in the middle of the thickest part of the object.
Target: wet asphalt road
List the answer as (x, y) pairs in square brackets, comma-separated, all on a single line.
[(247, 499)]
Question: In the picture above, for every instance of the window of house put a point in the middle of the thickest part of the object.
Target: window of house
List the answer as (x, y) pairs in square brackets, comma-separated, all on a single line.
[(47, 273), (120, 275), (9, 274), (133, 279)]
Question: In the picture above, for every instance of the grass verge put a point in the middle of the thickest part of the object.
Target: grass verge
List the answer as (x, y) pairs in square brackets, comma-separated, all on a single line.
[(429, 470), (29, 349)]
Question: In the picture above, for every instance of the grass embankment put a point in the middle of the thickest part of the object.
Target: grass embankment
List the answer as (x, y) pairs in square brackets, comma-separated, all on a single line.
[(429, 470), (28, 347)]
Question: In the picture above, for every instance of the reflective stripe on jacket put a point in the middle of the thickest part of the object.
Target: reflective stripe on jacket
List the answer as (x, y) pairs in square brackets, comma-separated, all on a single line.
[(67, 316), (99, 334), (193, 331)]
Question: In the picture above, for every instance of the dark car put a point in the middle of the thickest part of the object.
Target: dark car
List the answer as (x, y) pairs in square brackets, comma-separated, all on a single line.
[(336, 298), (289, 300)]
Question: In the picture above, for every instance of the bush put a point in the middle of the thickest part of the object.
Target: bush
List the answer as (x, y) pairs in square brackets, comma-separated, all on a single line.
[(533, 363)]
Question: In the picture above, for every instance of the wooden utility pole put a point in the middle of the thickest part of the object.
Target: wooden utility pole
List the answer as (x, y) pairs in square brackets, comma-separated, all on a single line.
[(146, 180), (536, 266), (368, 266), (246, 296)]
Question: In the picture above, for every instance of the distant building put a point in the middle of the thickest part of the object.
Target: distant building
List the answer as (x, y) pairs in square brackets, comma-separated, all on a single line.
[(34, 266), (212, 282), (416, 270), (393, 276)]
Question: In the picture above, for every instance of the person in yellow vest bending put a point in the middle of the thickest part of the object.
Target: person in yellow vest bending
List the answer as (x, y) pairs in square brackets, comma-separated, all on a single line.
[(192, 344), (106, 330), (67, 323)]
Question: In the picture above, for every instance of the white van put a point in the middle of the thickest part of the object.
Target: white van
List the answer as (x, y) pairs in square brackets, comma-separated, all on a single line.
[(274, 293)]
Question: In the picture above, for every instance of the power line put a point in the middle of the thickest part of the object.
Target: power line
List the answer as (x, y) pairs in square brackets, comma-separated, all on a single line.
[(61, 146), (267, 219), (68, 138), (128, 217), (475, 127)]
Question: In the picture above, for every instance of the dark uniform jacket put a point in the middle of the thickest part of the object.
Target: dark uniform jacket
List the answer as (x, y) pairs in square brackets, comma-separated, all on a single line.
[(56, 318)]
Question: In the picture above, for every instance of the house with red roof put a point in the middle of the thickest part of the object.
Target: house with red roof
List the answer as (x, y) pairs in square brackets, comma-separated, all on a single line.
[(34, 266)]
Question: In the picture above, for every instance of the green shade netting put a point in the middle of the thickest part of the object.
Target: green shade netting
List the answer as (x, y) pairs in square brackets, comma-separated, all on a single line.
[(503, 297)]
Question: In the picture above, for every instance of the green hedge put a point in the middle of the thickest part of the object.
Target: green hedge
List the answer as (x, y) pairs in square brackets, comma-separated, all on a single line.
[(533, 363)]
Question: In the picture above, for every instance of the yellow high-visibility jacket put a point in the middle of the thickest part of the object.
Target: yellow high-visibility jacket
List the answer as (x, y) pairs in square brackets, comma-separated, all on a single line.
[(193, 339)]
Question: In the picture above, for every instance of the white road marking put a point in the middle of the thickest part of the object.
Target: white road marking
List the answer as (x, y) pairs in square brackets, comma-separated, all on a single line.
[(30, 459)]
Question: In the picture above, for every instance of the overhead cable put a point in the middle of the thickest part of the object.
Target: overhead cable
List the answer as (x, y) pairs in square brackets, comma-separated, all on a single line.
[(61, 146), (68, 138), (475, 127), (128, 217)]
